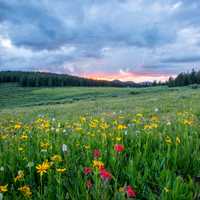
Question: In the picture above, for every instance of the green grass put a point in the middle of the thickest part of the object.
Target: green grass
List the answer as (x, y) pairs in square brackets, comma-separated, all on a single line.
[(73, 101), (158, 128)]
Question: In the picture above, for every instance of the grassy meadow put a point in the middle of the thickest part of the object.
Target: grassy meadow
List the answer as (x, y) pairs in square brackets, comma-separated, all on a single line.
[(99, 143)]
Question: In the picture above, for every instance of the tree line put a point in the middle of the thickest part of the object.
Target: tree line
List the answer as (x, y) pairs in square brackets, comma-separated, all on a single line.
[(42, 79), (184, 79)]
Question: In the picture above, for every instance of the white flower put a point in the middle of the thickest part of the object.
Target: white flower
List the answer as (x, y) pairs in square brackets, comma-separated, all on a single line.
[(1, 168), (30, 164), (1, 196), (44, 150), (168, 123), (57, 130), (156, 110), (64, 148)]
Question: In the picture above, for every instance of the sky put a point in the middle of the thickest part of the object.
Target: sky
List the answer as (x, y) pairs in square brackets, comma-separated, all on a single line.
[(129, 40)]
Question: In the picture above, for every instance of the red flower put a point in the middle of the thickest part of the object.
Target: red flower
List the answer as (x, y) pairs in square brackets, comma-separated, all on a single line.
[(96, 153), (105, 175), (119, 147), (130, 192), (88, 184), (87, 170)]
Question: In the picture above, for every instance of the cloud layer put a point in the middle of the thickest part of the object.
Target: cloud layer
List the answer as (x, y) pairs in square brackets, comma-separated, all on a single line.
[(125, 39)]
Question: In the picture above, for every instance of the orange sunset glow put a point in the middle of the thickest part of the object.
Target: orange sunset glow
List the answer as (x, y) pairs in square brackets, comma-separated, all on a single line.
[(127, 76)]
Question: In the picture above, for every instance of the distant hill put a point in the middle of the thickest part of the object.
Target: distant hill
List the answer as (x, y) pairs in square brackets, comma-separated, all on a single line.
[(43, 79)]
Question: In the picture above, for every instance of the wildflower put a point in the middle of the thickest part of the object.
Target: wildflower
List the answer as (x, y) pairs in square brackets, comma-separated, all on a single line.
[(3, 188), (98, 164), (56, 158), (178, 141), (168, 123), (119, 147), (121, 127), (154, 125), (21, 149), (20, 175), (118, 139), (154, 118), (130, 192), (1, 196), (43, 168), (82, 120), (17, 126), (23, 137), (64, 148), (104, 125), (188, 122), (86, 146), (121, 189), (140, 115), (166, 189), (105, 175), (93, 123), (87, 170), (88, 184), (96, 153), (25, 190), (30, 164), (45, 145), (61, 170), (1, 168), (147, 126), (168, 140)]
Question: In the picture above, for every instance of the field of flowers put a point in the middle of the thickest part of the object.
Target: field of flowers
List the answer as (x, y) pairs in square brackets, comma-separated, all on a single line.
[(110, 156)]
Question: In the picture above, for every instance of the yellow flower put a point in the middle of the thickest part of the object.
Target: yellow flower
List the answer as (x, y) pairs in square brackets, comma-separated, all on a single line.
[(92, 134), (93, 124), (21, 149), (150, 126), (78, 129), (166, 189), (17, 126), (19, 176), (118, 139), (98, 164), (154, 125), (188, 122), (44, 145), (168, 140), (82, 120), (25, 190), (56, 158), (155, 118), (86, 146), (43, 168), (178, 141), (104, 125), (3, 188), (139, 115), (147, 126), (61, 170), (121, 127), (23, 137)]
